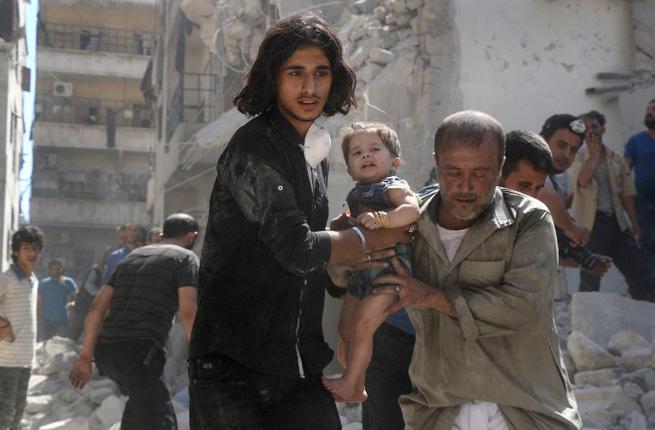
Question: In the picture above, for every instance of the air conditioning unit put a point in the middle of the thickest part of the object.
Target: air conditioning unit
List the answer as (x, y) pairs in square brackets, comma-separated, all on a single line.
[(62, 89)]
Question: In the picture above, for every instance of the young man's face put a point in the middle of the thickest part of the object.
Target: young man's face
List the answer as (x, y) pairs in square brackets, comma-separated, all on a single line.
[(56, 271), (302, 87), (132, 233), (592, 126), (27, 256), (564, 144), (468, 176), (525, 179), (649, 119)]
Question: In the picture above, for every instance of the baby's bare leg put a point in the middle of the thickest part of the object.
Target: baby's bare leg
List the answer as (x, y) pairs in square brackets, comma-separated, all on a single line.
[(368, 317)]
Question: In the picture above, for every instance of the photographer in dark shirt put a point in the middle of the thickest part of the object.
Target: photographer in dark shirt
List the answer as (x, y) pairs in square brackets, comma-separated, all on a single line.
[(257, 348)]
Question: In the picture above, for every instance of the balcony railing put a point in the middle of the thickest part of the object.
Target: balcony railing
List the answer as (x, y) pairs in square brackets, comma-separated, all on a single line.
[(194, 101), (89, 111), (93, 184), (89, 38)]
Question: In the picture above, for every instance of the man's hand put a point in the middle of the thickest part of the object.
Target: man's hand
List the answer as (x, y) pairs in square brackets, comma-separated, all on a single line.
[(635, 229), (6, 332), (411, 292), (81, 373), (388, 237), (342, 222), (577, 234), (602, 265), (593, 143)]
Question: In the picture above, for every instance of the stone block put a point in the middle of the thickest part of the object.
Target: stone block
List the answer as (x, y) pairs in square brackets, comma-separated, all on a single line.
[(110, 411), (98, 395), (380, 13), (637, 359), (633, 390), (364, 7), (586, 354), (627, 340), (600, 315), (368, 72), (648, 402), (68, 424), (36, 404), (612, 399), (636, 421), (414, 4), (598, 378), (599, 418), (381, 56)]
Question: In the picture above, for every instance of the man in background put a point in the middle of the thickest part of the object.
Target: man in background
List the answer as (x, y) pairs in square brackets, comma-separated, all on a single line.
[(640, 155), (18, 290), (603, 195), (130, 318), (55, 292)]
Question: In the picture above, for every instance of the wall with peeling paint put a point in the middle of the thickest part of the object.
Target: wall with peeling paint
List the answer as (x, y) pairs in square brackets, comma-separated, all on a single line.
[(523, 61)]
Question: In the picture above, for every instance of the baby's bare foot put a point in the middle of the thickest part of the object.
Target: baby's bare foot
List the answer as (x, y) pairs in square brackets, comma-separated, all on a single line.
[(342, 391)]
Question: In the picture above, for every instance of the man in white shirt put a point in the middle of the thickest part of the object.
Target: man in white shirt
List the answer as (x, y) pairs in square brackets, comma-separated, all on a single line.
[(18, 291)]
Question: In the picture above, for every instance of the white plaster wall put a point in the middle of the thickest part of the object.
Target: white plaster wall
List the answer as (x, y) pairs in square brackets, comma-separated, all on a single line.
[(522, 61)]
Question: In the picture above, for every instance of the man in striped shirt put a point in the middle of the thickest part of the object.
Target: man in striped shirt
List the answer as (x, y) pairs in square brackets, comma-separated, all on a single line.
[(18, 290)]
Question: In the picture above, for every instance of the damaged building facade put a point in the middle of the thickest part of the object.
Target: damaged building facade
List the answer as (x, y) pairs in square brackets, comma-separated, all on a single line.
[(14, 79), (94, 131)]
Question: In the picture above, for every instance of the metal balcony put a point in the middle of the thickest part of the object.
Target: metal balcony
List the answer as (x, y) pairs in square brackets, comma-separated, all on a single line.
[(89, 111), (90, 38), (193, 101)]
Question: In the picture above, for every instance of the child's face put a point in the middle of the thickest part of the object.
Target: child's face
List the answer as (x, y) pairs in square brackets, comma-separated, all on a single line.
[(368, 159)]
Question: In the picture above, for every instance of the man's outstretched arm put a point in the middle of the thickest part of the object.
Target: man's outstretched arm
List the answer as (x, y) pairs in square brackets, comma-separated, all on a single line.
[(83, 369)]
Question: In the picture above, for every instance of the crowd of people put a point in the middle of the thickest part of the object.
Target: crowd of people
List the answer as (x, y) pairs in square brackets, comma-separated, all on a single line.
[(447, 318)]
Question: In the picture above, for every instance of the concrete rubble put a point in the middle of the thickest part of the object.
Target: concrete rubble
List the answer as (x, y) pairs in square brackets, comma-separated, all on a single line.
[(610, 342), (52, 404), (401, 51)]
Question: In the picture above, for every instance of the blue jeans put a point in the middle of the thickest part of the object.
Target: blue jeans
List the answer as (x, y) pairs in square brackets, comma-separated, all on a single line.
[(46, 330), (646, 216), (387, 377), (608, 239), (13, 396), (137, 367), (224, 395)]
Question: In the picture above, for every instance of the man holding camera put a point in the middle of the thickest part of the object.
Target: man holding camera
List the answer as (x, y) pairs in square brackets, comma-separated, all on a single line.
[(603, 195)]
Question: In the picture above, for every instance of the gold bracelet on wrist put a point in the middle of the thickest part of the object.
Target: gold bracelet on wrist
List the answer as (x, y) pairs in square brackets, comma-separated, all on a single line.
[(383, 217)]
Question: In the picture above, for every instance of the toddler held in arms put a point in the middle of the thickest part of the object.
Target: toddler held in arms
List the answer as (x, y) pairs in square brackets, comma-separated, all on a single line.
[(379, 200)]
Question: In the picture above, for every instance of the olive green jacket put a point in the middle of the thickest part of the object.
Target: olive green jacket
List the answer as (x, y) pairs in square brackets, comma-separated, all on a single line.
[(503, 346)]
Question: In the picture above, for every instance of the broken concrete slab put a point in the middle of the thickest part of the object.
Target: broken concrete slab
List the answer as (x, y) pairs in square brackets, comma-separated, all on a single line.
[(600, 315), (598, 378), (612, 399), (627, 340), (68, 424), (586, 354)]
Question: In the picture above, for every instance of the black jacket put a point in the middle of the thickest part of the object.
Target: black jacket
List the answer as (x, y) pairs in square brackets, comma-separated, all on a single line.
[(262, 277)]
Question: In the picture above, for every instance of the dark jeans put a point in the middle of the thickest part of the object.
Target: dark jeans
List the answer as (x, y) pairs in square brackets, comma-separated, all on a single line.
[(646, 216), (46, 330), (608, 239), (136, 367), (224, 395), (83, 302), (387, 378), (13, 396)]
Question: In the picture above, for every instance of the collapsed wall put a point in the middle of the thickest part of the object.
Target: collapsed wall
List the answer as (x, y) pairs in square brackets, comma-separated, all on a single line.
[(403, 51)]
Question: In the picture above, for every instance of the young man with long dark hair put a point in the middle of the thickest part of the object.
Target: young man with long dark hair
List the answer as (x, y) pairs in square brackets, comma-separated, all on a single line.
[(257, 349)]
